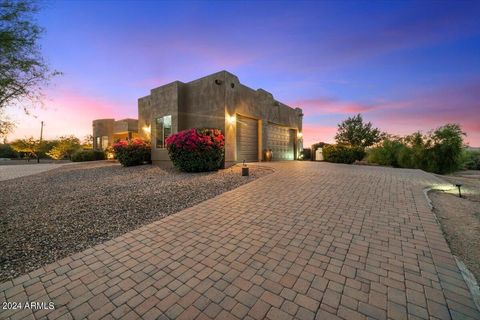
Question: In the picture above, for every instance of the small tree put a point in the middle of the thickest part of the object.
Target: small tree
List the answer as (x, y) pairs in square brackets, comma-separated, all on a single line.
[(355, 133), (65, 148), (87, 143), (23, 71), (447, 148), (29, 146)]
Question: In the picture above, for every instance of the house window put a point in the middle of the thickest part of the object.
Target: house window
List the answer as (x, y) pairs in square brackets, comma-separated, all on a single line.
[(163, 130), (98, 142), (104, 142)]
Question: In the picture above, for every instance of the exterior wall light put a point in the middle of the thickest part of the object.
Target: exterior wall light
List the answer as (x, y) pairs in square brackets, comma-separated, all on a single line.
[(147, 130), (299, 135), (232, 119)]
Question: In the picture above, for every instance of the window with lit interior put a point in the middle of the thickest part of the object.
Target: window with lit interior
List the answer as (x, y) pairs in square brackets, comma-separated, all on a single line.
[(163, 130)]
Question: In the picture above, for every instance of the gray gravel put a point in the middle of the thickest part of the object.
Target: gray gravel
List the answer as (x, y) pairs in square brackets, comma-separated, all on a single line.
[(51, 215)]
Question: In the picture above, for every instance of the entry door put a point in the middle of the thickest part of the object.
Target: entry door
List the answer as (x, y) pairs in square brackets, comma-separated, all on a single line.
[(281, 140), (247, 139)]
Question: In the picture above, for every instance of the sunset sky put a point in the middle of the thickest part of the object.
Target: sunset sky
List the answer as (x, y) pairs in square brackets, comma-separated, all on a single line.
[(406, 66)]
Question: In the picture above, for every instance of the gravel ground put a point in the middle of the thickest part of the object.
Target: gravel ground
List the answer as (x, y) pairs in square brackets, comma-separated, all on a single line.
[(51, 215), (460, 217)]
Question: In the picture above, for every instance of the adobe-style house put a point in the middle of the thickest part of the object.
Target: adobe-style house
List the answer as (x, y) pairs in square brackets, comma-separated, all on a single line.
[(254, 123), (107, 131)]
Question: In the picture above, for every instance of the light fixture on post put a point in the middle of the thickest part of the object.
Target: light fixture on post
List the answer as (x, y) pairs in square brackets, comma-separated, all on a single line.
[(459, 186)]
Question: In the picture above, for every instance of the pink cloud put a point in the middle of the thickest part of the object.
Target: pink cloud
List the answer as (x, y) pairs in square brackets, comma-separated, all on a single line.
[(421, 111), (330, 106), (313, 134), (68, 113)]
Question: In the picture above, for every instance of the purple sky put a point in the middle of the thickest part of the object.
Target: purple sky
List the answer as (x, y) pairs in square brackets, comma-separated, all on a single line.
[(406, 66)]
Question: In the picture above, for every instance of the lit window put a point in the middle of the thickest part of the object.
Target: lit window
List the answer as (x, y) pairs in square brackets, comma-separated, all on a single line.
[(163, 130), (104, 144), (98, 141)]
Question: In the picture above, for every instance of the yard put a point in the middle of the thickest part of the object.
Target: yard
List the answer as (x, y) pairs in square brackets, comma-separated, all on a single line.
[(48, 216)]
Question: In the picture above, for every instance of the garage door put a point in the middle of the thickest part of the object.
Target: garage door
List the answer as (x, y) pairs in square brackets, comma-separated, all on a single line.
[(247, 139), (281, 140)]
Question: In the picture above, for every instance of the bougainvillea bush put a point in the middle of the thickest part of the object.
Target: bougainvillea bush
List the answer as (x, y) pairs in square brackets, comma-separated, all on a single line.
[(132, 152), (197, 150)]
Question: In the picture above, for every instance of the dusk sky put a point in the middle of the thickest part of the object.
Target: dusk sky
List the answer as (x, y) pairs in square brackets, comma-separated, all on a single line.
[(406, 66)]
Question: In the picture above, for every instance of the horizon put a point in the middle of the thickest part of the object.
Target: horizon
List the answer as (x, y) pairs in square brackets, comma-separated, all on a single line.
[(406, 67)]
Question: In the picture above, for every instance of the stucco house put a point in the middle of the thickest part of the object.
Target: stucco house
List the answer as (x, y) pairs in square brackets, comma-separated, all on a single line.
[(252, 120), (107, 131)]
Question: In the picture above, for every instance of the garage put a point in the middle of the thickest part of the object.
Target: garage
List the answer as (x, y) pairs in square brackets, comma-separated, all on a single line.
[(247, 139), (281, 140)]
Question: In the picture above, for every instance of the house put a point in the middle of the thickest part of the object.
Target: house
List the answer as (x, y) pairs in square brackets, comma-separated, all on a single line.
[(256, 126), (107, 131)]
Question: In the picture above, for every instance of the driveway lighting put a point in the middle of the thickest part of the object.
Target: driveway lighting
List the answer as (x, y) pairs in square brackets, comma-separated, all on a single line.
[(459, 186)]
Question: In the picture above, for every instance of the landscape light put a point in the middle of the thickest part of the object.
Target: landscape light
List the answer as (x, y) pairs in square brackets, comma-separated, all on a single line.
[(459, 186)]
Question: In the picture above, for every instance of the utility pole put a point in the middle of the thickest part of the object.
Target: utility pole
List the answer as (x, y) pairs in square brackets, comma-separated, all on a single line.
[(40, 144)]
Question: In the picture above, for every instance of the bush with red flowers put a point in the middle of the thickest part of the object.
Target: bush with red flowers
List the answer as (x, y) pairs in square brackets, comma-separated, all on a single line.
[(197, 150), (133, 152)]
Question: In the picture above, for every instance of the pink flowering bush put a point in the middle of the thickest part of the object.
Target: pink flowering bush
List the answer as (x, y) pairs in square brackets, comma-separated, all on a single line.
[(197, 150), (133, 152)]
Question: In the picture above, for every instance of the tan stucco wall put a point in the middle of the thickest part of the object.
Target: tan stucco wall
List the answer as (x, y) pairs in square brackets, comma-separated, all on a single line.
[(125, 125), (102, 127)]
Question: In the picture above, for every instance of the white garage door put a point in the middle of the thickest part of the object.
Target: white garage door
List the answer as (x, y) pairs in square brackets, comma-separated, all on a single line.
[(281, 140), (247, 139)]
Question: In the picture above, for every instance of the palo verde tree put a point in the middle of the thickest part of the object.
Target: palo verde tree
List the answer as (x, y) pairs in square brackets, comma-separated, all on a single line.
[(29, 146), (23, 71), (354, 132)]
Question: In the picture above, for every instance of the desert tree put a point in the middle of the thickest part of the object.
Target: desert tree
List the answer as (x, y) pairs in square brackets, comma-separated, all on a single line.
[(354, 132), (23, 70)]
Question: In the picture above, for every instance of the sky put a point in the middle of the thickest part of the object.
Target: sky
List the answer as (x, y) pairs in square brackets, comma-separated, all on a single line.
[(405, 66)]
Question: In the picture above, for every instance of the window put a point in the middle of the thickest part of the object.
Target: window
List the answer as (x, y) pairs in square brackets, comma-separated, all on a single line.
[(98, 143), (104, 142), (163, 130)]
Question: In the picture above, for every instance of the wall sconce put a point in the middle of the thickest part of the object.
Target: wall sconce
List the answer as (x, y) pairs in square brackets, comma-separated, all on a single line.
[(232, 119), (147, 130), (299, 135)]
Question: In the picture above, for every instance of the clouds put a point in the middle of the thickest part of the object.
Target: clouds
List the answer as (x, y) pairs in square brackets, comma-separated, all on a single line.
[(423, 110)]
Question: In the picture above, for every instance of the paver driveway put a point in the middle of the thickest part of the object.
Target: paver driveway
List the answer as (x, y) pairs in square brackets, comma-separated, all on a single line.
[(312, 240)]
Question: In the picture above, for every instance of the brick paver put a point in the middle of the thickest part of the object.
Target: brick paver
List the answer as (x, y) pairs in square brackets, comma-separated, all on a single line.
[(310, 241)]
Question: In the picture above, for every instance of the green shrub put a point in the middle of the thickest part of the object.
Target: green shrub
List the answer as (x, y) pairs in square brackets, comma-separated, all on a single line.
[(6, 151), (133, 152), (447, 148), (387, 153), (440, 151), (197, 150), (471, 159), (305, 154), (88, 155), (339, 153)]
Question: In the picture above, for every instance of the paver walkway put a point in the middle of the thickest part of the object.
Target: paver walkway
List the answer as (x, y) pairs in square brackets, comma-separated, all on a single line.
[(310, 241)]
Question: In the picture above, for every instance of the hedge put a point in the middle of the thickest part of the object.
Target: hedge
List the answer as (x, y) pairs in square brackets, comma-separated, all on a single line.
[(339, 153), (88, 155)]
